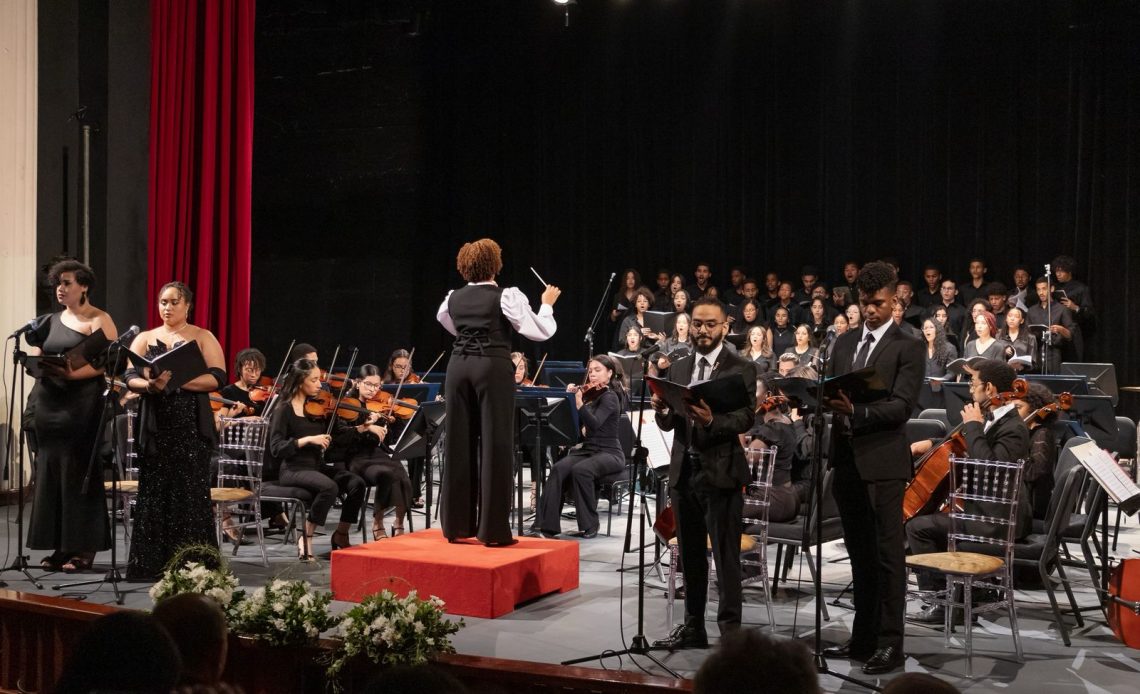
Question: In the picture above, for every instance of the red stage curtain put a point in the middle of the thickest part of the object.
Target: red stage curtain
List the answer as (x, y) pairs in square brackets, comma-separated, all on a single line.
[(201, 159)]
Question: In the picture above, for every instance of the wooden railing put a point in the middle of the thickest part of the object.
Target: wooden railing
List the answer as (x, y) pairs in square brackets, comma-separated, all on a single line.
[(38, 632)]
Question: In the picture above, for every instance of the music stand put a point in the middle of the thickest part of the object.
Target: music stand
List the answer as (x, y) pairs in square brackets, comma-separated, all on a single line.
[(420, 392), (544, 419), (1074, 385), (955, 396), (1096, 415), (418, 439), (1102, 377), (558, 377)]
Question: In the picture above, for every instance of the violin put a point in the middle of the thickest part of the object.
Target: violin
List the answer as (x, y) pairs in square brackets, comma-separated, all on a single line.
[(592, 391), (1064, 402), (930, 485), (770, 403), (217, 402), (396, 408)]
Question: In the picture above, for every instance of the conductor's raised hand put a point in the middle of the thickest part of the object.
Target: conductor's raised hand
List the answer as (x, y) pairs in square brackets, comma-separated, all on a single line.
[(550, 294)]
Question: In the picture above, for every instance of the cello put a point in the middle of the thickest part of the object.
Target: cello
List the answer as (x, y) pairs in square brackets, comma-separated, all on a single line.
[(929, 487), (1123, 602)]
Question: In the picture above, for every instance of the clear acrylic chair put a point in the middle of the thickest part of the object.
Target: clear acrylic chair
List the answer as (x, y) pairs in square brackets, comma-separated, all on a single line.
[(983, 514), (125, 488), (241, 447)]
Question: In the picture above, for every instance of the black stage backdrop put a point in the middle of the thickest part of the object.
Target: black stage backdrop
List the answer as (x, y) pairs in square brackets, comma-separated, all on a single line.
[(771, 133)]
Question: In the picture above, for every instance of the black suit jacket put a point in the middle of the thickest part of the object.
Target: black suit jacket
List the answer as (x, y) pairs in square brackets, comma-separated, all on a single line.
[(877, 445), (722, 457), (1007, 440)]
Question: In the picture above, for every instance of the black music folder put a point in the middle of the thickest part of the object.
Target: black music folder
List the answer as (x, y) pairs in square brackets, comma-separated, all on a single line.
[(185, 363), (660, 322), (87, 351), (862, 386), (722, 395)]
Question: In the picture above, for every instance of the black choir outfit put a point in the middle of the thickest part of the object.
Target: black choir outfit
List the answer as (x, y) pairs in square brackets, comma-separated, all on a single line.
[(310, 468), (1024, 345), (65, 421), (995, 350), (955, 317), (479, 390), (1055, 314), (871, 459), (783, 339), (936, 363), (598, 455), (175, 440), (707, 472)]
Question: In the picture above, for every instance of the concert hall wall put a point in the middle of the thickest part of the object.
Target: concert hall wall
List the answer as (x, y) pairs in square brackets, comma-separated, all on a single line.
[(658, 133)]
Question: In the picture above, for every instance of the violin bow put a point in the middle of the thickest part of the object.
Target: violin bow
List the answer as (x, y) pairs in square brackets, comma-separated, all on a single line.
[(340, 396), (278, 380), (400, 386), (332, 365), (433, 364), (539, 369)]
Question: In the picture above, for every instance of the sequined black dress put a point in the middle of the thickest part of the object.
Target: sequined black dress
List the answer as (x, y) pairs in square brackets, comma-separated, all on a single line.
[(66, 421), (173, 507)]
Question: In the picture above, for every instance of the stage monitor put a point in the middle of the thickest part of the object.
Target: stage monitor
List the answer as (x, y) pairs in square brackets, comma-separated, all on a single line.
[(1101, 377)]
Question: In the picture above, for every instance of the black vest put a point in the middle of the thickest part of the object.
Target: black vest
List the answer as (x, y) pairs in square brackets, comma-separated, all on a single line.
[(480, 326)]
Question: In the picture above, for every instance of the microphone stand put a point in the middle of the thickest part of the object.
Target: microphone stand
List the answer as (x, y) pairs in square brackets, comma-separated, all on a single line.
[(1047, 338), (20, 563), (93, 476), (640, 455), (590, 331), (821, 666)]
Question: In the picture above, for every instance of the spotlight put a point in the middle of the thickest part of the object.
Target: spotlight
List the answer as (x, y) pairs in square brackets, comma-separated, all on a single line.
[(566, 4)]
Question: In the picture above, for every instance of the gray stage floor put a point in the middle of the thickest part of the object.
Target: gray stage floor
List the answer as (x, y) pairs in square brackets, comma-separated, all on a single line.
[(602, 615)]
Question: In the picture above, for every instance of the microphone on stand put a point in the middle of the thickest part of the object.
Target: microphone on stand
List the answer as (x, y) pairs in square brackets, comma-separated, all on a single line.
[(122, 340), (31, 326)]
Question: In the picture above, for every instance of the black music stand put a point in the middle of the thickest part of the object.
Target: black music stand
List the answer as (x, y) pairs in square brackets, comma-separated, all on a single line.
[(558, 377), (418, 439), (1058, 383), (1096, 415), (542, 421), (1101, 377)]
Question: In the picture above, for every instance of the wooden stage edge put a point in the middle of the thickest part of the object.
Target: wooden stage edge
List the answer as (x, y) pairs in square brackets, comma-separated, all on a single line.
[(37, 632)]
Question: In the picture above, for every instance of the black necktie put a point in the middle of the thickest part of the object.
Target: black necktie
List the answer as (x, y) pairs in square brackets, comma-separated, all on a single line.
[(702, 365), (864, 350)]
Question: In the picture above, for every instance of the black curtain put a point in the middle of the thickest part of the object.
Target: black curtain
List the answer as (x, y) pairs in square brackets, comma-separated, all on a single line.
[(768, 134)]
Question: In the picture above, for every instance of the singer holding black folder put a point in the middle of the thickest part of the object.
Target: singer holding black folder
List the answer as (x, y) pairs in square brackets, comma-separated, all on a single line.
[(65, 519), (175, 438), (872, 463), (707, 472)]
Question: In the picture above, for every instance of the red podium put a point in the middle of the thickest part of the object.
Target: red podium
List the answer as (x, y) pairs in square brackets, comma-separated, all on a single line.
[(473, 580)]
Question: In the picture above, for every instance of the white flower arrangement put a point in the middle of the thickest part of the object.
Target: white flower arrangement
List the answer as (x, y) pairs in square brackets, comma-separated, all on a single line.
[(284, 613), (194, 577), (390, 630)]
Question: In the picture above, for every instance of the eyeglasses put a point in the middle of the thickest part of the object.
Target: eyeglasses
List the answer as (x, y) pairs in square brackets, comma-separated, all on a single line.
[(975, 384), (369, 384), (709, 324)]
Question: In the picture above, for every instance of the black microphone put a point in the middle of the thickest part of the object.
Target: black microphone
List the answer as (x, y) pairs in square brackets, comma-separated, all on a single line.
[(828, 338), (31, 326), (132, 333)]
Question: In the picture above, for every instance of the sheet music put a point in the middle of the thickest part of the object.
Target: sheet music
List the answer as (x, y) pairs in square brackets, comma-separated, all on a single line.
[(1121, 489), (658, 443)]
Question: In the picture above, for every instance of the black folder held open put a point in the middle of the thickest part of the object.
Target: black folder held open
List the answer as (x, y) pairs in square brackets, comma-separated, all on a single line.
[(184, 362)]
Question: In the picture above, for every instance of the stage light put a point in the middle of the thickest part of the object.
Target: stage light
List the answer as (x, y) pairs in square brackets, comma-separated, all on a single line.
[(565, 4)]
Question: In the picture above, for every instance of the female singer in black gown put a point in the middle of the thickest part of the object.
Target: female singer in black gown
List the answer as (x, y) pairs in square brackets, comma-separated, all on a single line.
[(369, 457), (65, 518), (475, 496), (599, 454), (175, 439), (299, 442)]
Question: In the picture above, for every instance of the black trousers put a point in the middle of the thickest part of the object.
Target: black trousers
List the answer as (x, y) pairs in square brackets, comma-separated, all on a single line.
[(388, 477), (871, 514), (704, 513), (925, 534), (583, 468), (325, 488), (475, 497)]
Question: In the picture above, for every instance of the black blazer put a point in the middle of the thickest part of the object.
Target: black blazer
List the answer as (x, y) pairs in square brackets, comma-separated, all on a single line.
[(722, 457), (877, 444), (1007, 440)]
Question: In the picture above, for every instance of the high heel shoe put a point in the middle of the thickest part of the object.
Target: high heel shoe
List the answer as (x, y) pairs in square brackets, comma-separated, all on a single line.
[(378, 530), (397, 530), (335, 542), (305, 548)]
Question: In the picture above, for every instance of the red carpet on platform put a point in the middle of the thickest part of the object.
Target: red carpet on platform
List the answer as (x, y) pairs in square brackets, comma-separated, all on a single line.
[(473, 580)]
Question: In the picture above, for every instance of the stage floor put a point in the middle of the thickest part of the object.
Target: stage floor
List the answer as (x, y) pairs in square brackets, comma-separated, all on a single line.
[(601, 615)]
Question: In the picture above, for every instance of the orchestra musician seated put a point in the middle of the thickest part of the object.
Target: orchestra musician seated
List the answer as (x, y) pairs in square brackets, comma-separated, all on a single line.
[(991, 433), (600, 403)]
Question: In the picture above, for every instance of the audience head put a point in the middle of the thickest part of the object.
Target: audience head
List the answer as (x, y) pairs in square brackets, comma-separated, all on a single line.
[(918, 683), (124, 651), (479, 261), (198, 626), (748, 661)]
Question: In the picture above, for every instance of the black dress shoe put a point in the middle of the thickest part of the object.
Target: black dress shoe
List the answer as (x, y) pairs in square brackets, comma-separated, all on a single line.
[(501, 543), (850, 651), (932, 615), (684, 636), (884, 660), (587, 534)]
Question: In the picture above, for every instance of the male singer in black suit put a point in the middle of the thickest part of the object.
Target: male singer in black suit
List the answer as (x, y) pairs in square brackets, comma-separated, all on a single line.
[(707, 473), (871, 459), (992, 433)]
